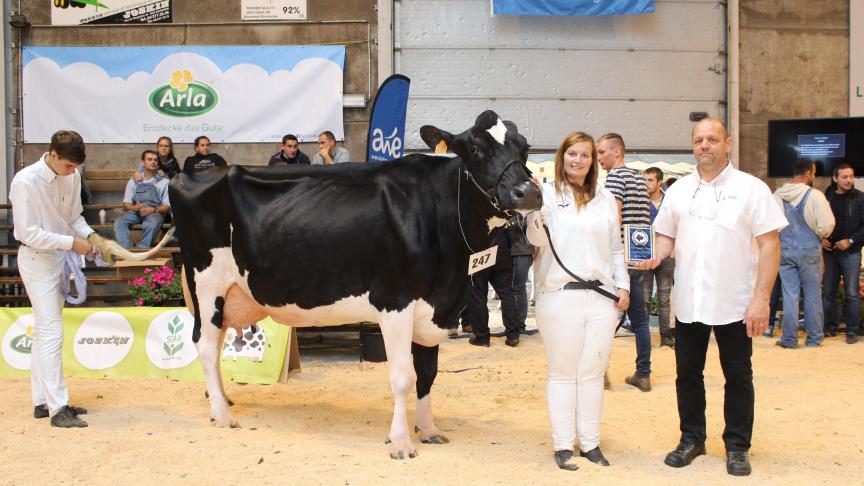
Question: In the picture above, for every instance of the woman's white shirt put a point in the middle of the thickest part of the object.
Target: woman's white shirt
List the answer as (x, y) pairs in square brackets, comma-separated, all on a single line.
[(587, 240)]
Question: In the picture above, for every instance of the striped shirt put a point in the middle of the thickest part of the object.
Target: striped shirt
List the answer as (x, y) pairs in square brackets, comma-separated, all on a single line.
[(629, 187)]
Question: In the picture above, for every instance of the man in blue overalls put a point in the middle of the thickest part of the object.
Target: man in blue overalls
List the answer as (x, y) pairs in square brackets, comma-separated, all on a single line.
[(145, 202), (810, 220)]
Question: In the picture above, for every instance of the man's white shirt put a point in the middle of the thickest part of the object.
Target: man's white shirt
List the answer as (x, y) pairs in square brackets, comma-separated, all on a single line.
[(714, 225), (47, 208)]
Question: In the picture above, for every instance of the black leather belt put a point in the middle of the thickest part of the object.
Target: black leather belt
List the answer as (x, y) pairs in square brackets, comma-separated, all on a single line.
[(585, 285)]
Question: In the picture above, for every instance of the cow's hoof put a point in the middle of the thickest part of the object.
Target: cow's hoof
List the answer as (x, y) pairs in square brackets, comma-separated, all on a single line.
[(432, 439), (435, 439), (399, 453), (228, 423)]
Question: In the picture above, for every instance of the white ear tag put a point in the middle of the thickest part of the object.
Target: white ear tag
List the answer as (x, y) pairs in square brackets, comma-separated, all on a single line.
[(482, 260)]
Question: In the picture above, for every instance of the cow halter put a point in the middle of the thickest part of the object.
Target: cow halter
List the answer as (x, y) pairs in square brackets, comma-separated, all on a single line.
[(491, 197), (490, 194)]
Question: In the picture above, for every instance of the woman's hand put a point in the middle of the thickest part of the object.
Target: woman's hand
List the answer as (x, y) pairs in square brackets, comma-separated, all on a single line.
[(623, 299)]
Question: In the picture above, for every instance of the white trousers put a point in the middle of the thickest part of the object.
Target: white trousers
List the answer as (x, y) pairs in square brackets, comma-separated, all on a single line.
[(577, 328), (42, 271)]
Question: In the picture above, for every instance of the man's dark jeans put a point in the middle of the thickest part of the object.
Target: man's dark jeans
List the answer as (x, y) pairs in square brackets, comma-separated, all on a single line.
[(521, 265), (847, 264), (639, 322), (736, 348)]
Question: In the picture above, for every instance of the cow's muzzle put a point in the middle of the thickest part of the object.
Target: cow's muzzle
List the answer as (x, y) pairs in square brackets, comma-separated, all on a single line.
[(526, 196)]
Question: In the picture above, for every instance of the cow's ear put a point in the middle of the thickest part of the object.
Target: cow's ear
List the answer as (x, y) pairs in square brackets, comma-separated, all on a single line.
[(511, 127), (433, 136)]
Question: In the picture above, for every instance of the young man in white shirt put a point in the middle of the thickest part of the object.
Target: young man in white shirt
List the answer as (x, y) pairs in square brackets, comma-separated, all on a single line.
[(46, 207), (712, 217)]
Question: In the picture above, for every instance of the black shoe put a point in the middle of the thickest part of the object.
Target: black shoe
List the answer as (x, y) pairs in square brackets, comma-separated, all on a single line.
[(41, 411), (595, 456), (684, 454), (66, 418), (851, 339), (512, 341), (830, 332), (528, 332), (564, 459), (478, 342), (737, 463), (667, 341)]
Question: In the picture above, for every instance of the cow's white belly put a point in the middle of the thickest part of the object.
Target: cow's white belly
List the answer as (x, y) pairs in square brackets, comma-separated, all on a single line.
[(241, 309)]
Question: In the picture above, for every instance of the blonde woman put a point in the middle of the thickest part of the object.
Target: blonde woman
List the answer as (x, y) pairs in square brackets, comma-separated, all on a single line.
[(576, 322)]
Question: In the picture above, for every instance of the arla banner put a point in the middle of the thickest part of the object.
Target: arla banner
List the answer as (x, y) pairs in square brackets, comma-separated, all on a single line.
[(571, 7), (387, 124), (137, 94), (77, 12)]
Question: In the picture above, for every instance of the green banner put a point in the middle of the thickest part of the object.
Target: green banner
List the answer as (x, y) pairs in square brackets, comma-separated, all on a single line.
[(143, 342)]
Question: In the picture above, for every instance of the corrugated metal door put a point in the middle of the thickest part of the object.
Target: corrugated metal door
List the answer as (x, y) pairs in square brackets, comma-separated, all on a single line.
[(638, 75)]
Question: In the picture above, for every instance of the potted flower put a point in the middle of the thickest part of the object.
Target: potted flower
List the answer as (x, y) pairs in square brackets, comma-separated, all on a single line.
[(159, 286)]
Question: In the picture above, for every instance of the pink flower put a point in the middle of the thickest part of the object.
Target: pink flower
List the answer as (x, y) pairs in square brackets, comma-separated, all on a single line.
[(139, 281), (148, 270), (140, 302)]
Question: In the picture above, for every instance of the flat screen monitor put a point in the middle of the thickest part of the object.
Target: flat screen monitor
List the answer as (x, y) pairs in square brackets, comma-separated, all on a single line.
[(826, 141)]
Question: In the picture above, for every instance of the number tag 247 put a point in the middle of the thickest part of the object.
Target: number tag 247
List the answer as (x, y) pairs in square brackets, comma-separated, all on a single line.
[(482, 259)]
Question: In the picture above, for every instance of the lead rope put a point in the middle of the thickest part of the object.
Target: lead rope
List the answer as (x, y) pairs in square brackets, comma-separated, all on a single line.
[(596, 288)]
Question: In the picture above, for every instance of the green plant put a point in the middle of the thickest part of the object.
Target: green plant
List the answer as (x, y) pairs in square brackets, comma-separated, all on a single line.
[(156, 286)]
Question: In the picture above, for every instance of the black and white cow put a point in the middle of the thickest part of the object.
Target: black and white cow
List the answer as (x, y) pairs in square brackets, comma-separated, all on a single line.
[(325, 245)]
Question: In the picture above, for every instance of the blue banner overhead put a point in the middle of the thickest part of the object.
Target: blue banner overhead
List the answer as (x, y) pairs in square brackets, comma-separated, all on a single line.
[(387, 124), (571, 7)]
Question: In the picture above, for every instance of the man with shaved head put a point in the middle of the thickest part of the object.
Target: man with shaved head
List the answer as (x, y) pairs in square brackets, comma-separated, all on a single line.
[(722, 285)]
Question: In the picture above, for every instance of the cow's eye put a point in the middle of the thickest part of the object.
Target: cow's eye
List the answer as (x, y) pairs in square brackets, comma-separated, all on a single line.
[(475, 153)]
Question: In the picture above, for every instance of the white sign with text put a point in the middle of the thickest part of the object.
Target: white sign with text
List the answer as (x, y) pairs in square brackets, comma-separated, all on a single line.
[(273, 9)]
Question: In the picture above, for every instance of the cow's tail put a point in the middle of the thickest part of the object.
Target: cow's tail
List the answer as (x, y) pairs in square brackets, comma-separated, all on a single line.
[(112, 250)]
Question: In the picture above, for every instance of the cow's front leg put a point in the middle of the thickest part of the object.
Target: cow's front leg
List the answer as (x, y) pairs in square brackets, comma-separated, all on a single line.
[(426, 367), (397, 329), (209, 347)]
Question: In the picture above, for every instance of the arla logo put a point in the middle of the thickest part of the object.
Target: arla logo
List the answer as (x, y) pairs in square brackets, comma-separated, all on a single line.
[(182, 97), (18, 342), (169, 340)]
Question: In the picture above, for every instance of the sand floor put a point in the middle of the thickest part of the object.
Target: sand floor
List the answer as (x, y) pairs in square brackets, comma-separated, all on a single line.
[(328, 424)]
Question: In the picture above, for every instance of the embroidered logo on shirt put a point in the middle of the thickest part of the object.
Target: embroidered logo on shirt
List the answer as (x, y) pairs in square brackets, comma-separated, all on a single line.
[(563, 204)]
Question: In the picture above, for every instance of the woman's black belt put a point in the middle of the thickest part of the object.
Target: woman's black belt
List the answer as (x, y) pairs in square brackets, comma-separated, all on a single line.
[(583, 285)]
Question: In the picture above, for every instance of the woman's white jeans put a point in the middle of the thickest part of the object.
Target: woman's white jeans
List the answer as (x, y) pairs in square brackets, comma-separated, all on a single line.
[(577, 328), (41, 271)]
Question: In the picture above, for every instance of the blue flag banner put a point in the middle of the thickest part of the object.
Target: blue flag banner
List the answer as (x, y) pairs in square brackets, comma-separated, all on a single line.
[(387, 124), (571, 7)]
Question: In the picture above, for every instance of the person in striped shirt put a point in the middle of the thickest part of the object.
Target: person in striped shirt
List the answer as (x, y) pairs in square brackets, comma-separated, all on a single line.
[(631, 197)]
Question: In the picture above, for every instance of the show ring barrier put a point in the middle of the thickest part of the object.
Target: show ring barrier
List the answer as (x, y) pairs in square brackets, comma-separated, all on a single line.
[(147, 342)]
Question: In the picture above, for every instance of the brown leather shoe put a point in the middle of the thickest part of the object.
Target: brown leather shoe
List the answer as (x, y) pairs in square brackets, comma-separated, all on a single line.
[(643, 383)]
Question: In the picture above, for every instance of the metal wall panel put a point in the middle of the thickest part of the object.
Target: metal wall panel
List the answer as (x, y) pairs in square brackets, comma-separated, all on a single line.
[(639, 75)]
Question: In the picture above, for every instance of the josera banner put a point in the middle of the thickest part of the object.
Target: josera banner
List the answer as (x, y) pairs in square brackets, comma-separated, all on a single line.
[(571, 7), (77, 12), (387, 123), (142, 342), (137, 94)]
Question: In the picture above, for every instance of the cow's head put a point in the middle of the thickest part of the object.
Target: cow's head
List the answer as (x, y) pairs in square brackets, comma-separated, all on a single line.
[(494, 153)]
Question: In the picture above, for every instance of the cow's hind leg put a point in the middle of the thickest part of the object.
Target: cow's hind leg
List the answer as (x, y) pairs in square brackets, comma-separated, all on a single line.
[(426, 367), (397, 329), (209, 347)]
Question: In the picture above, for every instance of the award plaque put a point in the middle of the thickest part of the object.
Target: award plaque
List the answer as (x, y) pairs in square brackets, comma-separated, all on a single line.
[(638, 242)]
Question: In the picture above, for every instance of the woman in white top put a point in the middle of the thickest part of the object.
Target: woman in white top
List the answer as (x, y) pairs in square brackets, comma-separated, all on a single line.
[(577, 323)]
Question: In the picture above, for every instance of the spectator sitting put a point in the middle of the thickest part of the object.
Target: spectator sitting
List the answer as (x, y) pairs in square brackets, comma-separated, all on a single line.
[(144, 202), (168, 165), (203, 159), (328, 152), (290, 153)]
